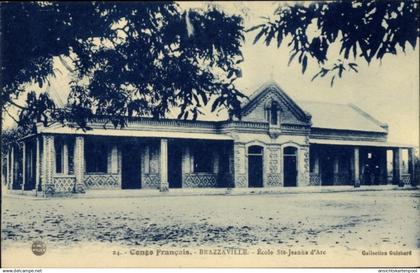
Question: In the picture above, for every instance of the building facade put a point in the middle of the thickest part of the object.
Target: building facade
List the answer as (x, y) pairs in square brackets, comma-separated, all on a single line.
[(278, 142)]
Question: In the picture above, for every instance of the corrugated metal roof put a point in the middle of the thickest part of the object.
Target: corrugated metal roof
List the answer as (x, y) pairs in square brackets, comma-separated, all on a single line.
[(340, 117)]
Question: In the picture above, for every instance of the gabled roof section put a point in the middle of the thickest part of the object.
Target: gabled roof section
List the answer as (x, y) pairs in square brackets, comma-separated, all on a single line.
[(253, 100), (335, 116)]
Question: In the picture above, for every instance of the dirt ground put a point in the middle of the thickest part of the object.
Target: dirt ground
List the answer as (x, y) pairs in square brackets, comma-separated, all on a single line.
[(386, 219)]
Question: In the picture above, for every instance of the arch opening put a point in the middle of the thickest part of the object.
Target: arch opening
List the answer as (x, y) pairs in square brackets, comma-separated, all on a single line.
[(290, 166), (255, 166)]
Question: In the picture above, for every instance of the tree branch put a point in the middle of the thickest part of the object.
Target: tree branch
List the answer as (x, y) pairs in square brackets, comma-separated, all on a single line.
[(7, 112), (17, 105), (65, 64)]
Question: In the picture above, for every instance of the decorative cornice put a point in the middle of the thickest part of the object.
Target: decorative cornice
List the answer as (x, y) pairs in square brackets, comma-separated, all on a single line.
[(274, 132), (220, 128)]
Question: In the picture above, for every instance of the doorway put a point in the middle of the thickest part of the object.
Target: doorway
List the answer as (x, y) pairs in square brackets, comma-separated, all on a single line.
[(255, 166), (371, 170), (327, 171), (290, 166), (131, 167), (174, 165)]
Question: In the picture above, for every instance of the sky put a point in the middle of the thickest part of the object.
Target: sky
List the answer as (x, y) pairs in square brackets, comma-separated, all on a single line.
[(388, 90)]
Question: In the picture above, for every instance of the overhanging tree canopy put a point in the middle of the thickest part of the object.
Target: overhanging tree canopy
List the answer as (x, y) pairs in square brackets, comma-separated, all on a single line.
[(33, 33), (126, 58), (363, 29)]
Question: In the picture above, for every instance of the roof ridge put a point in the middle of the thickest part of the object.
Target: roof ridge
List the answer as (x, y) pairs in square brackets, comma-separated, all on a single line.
[(368, 116), (258, 90), (274, 85), (324, 102)]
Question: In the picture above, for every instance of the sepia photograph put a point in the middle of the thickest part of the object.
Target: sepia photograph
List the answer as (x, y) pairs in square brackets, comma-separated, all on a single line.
[(210, 134)]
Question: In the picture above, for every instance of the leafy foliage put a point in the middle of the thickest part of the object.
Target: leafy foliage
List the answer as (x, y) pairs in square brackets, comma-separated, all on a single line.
[(127, 59), (154, 63), (364, 29), (33, 33)]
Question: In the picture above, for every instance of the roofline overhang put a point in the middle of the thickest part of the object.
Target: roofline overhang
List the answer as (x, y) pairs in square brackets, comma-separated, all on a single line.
[(356, 143), (348, 130), (134, 133)]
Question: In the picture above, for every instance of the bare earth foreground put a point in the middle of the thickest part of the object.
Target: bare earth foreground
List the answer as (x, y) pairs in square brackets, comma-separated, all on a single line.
[(333, 223)]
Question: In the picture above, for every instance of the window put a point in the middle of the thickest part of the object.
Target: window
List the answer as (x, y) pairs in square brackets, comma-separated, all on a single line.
[(96, 155), (203, 158), (290, 151), (274, 113), (255, 150)]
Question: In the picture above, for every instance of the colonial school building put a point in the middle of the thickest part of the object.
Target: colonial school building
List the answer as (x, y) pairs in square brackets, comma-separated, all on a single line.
[(277, 143)]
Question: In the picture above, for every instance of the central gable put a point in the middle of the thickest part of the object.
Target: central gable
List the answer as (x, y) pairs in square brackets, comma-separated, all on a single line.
[(257, 108)]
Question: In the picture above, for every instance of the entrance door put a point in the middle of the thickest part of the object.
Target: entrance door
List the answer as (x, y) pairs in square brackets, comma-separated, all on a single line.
[(174, 165), (131, 167), (255, 167), (371, 174), (290, 166), (327, 170)]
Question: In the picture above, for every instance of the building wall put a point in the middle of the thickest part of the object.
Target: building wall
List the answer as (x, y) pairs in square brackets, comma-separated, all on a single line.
[(258, 112), (237, 173), (257, 115), (273, 172), (293, 129), (274, 166), (149, 169)]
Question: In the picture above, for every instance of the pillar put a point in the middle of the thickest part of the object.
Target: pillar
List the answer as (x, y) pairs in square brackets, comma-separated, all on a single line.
[(114, 159), (216, 162), (48, 164), (164, 185), (79, 164), (411, 167), (240, 175), (397, 167), (44, 164), (303, 166), (316, 170), (192, 169), (37, 165), (186, 161), (65, 158), (266, 166), (12, 167), (8, 169), (356, 165), (316, 164), (146, 159), (352, 167), (336, 170), (23, 165)]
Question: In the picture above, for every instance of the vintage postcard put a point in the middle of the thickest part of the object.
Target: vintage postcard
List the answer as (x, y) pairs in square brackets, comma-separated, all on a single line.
[(210, 134)]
